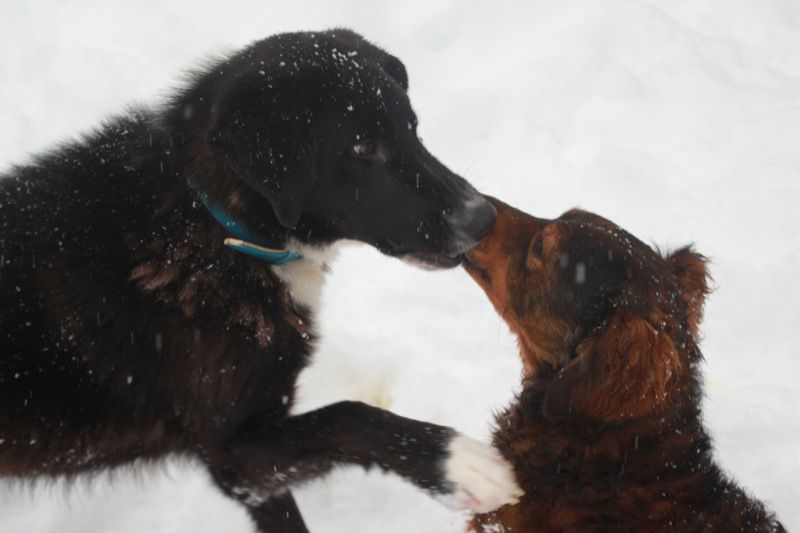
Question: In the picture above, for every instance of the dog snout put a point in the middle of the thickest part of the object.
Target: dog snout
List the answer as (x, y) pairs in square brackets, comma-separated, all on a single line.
[(478, 218), (510, 226), (472, 222)]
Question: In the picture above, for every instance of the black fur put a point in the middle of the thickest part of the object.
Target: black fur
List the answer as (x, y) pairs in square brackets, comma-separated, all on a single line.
[(129, 331)]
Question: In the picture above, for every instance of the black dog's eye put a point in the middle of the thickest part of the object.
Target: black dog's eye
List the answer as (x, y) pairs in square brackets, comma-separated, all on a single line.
[(365, 148)]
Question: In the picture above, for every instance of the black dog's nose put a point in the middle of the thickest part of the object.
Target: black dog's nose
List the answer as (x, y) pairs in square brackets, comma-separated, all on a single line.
[(479, 217)]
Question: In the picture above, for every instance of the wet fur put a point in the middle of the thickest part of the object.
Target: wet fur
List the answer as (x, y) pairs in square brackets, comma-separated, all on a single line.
[(130, 333), (607, 433)]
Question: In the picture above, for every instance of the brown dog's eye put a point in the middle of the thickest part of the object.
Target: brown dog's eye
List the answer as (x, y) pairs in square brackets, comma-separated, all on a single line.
[(535, 257), (537, 248), (365, 148)]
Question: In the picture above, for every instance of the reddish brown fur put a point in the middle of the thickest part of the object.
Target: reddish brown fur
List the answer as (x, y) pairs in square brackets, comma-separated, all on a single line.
[(606, 433)]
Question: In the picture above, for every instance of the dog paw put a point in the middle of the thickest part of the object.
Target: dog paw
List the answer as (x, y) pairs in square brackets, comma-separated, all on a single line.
[(481, 479)]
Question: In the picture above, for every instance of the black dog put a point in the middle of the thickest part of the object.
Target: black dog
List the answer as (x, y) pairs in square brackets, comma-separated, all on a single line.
[(158, 279)]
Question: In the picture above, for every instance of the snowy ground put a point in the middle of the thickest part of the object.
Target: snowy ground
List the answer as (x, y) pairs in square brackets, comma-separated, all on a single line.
[(679, 120)]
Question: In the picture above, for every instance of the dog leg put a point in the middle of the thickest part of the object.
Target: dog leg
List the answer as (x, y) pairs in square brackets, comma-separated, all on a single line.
[(273, 511), (261, 462), (278, 514)]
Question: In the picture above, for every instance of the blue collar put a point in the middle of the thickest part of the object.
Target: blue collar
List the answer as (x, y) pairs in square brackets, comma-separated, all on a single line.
[(244, 240)]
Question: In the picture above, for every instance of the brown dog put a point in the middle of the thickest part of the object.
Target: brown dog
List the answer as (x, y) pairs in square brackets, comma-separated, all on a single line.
[(606, 433)]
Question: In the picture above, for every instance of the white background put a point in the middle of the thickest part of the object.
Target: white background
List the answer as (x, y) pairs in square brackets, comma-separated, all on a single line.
[(679, 120)]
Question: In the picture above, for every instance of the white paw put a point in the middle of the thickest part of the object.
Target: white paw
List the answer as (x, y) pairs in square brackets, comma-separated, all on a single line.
[(483, 480)]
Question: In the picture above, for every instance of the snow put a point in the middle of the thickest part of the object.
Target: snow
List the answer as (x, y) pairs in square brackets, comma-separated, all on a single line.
[(679, 120)]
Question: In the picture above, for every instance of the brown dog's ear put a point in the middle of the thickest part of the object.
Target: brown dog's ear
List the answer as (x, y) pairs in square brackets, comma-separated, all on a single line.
[(691, 272), (622, 372), (263, 146)]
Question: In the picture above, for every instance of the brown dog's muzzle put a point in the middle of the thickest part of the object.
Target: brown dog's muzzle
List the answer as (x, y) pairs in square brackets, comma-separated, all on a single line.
[(508, 241)]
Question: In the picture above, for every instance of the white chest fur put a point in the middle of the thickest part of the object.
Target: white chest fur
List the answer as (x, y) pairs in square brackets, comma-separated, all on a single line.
[(305, 277)]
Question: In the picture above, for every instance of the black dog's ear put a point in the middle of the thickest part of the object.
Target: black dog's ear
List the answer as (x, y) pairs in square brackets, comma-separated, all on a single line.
[(395, 68), (389, 63), (263, 140)]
